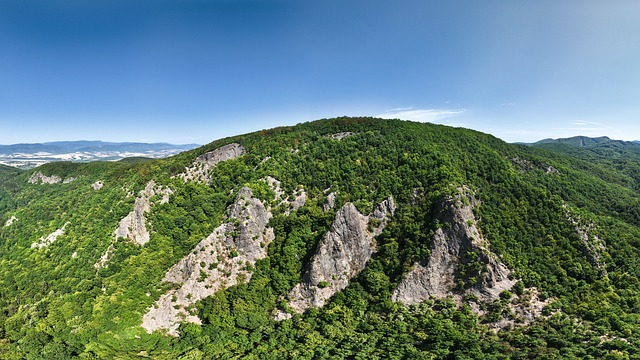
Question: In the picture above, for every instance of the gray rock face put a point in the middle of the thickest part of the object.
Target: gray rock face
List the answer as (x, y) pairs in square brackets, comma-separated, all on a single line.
[(221, 260), (299, 196), (454, 245), (341, 135), (10, 221), (343, 253), (199, 171), (330, 202), (46, 241), (133, 226), (40, 178), (226, 152)]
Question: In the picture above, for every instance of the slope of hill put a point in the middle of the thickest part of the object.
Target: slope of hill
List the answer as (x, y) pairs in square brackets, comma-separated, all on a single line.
[(340, 238)]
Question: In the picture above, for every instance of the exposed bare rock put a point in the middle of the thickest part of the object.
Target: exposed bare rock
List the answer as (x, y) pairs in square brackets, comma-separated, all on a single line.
[(595, 247), (343, 253), (46, 241), (524, 166), (551, 170), (456, 245), (274, 184), (330, 202), (341, 135), (97, 185), (199, 171), (133, 226), (528, 306), (40, 178), (416, 196), (104, 259), (10, 221), (299, 197), (221, 260)]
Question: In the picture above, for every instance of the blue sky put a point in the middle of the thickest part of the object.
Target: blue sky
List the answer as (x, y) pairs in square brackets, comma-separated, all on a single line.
[(194, 71)]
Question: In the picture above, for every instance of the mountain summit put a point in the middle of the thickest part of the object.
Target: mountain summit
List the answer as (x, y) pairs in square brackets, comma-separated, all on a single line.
[(339, 238)]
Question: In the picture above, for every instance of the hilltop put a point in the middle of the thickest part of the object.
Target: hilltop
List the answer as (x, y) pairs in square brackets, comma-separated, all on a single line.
[(338, 238)]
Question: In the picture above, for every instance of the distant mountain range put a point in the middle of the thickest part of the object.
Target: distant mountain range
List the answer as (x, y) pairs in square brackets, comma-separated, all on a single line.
[(585, 141), (600, 146), (30, 155)]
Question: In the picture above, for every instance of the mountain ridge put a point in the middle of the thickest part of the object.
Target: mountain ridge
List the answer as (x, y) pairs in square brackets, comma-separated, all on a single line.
[(534, 250)]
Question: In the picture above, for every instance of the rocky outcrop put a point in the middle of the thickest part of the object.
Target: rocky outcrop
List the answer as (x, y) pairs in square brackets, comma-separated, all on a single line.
[(46, 241), (524, 166), (40, 178), (595, 247), (199, 171), (462, 267), (104, 259), (343, 253), (341, 135), (97, 185), (291, 203), (223, 259), (330, 202), (10, 221), (133, 226), (460, 260)]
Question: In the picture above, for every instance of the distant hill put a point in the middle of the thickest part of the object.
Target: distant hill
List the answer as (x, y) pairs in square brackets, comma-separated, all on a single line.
[(30, 155), (591, 142), (612, 156), (602, 146)]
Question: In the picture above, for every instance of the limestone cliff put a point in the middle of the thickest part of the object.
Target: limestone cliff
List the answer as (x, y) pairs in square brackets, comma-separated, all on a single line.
[(133, 226), (199, 170), (460, 260), (343, 253), (221, 260), (40, 178)]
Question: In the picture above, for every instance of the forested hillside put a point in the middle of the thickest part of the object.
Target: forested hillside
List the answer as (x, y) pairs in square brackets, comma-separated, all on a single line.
[(352, 238)]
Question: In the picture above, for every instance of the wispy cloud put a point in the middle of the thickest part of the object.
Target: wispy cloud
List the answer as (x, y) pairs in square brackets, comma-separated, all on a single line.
[(422, 115), (587, 126)]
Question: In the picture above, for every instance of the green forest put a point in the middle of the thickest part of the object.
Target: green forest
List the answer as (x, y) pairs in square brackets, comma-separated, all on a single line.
[(57, 302)]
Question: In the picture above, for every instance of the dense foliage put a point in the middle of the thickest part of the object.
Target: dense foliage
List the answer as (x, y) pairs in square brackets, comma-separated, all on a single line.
[(54, 304)]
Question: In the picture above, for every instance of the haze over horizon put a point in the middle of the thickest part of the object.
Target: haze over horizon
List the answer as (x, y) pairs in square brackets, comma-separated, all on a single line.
[(194, 71)]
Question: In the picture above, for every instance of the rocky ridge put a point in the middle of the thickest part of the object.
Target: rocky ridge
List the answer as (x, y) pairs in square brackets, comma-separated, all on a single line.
[(133, 226), (223, 259), (343, 253), (199, 170), (462, 267), (457, 245)]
